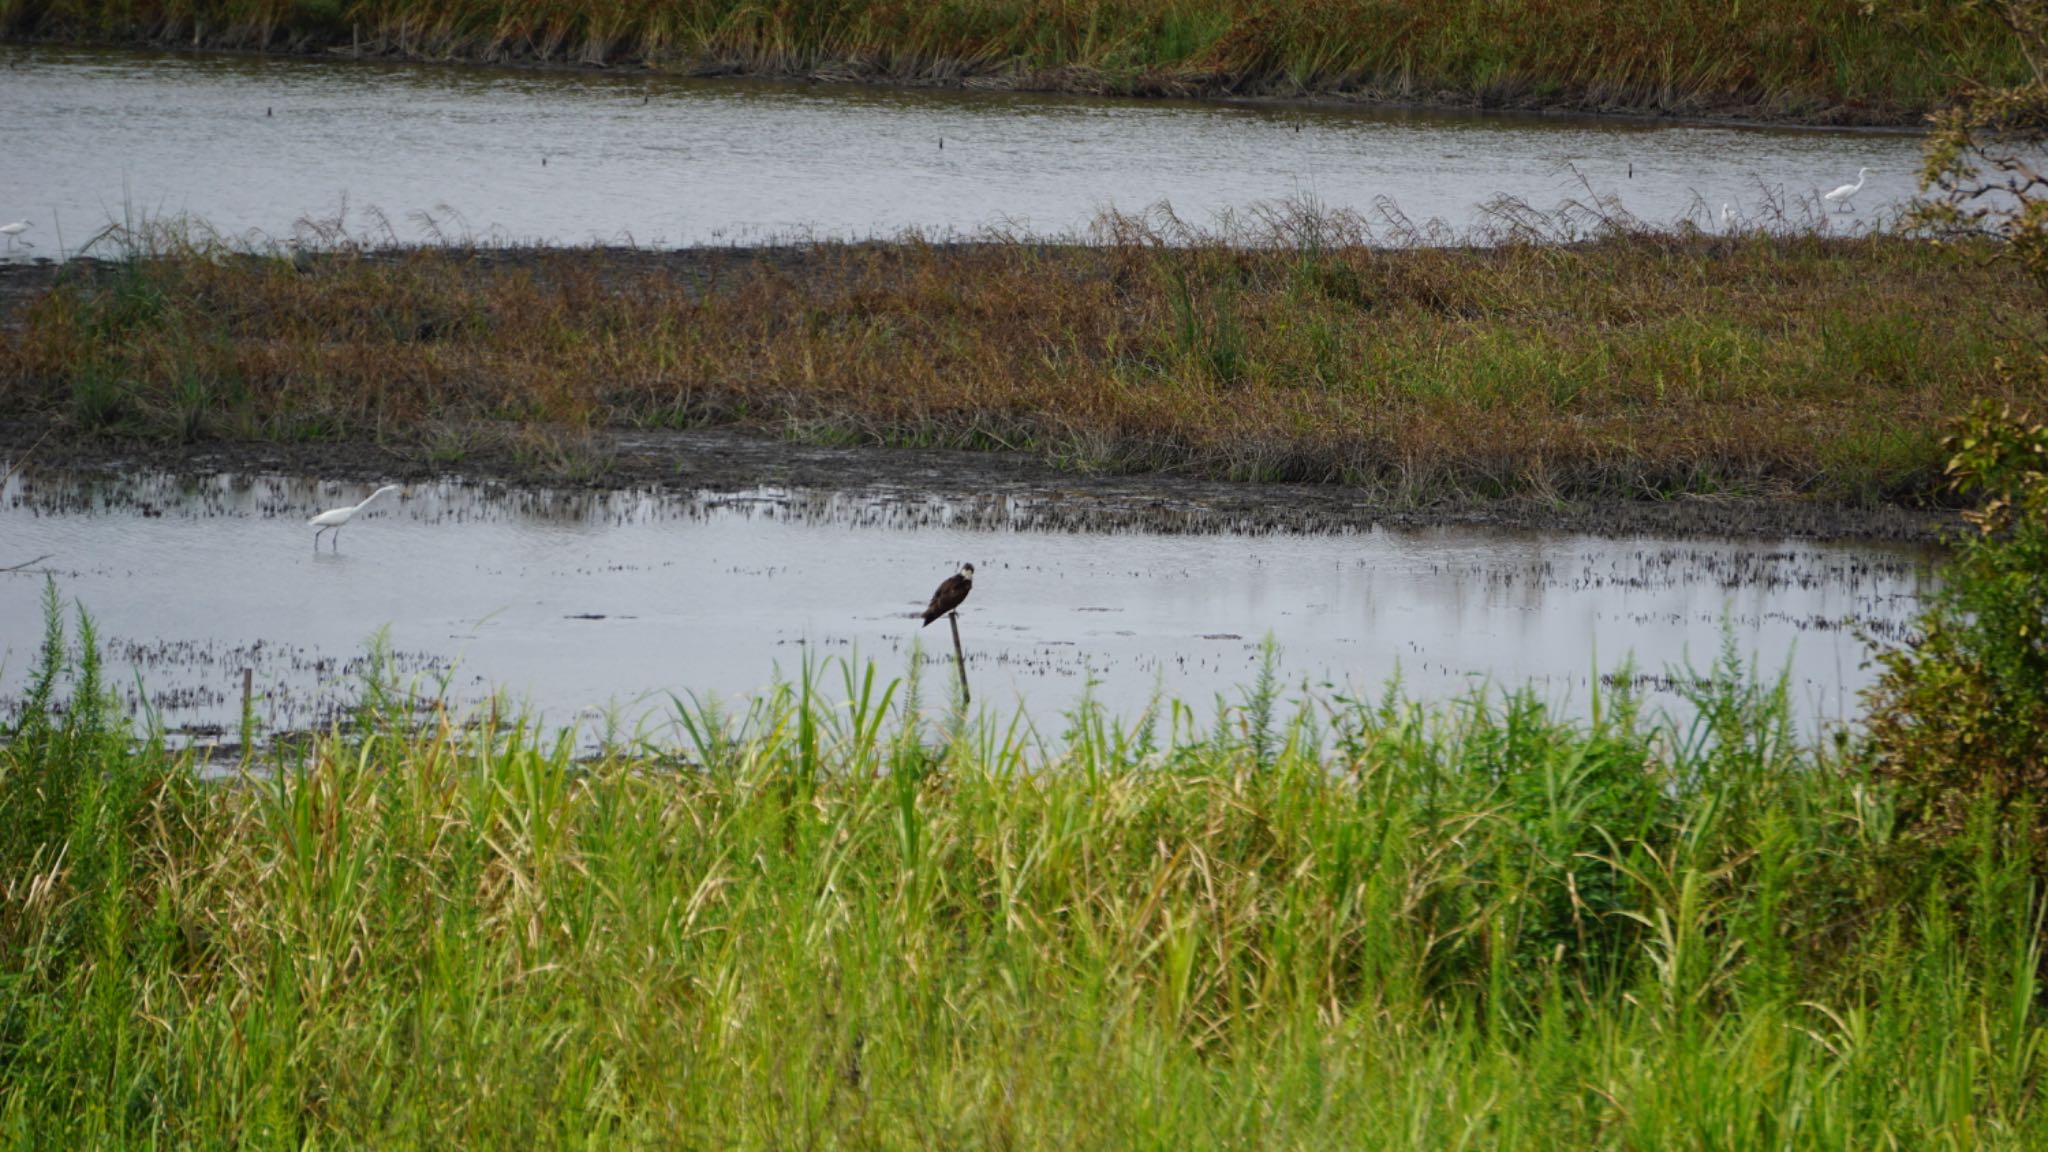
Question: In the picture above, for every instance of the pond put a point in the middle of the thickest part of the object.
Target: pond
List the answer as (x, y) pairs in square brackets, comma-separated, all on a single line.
[(583, 604)]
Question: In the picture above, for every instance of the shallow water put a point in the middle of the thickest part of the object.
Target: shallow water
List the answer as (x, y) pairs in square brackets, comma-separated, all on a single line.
[(581, 602), (255, 145)]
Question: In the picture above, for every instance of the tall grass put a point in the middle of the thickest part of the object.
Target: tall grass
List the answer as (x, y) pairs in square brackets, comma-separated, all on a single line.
[(1638, 364), (1822, 59), (809, 923)]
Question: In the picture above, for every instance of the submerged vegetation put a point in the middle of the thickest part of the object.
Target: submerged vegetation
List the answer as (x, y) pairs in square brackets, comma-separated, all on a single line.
[(1641, 364), (1819, 60)]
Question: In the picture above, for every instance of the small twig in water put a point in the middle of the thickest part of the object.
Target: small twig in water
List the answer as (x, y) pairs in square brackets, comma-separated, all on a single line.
[(27, 563)]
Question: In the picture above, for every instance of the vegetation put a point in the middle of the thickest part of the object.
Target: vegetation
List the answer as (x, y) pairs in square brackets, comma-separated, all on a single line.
[(1960, 720), (1824, 60), (1982, 171), (838, 917), (1639, 364), (845, 920)]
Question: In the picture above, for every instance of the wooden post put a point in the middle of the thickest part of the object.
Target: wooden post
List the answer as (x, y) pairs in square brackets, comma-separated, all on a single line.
[(248, 714), (959, 659)]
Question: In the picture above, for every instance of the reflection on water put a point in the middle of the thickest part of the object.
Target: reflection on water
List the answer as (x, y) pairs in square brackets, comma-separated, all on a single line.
[(579, 601), (257, 143)]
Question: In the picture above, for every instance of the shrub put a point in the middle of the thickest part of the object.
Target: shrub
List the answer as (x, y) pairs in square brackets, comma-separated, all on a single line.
[(1960, 717)]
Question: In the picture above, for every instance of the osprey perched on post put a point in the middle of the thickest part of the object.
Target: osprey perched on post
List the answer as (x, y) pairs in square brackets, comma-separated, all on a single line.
[(950, 594)]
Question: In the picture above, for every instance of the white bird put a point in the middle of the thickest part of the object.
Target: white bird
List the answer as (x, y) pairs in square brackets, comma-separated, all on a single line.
[(1727, 216), (1847, 192), (334, 518), (12, 230)]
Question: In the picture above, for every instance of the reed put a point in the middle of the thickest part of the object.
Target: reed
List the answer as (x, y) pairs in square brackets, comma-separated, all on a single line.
[(1642, 364), (1823, 60), (827, 918)]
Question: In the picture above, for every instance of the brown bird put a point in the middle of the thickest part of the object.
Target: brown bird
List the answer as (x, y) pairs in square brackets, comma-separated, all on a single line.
[(950, 594)]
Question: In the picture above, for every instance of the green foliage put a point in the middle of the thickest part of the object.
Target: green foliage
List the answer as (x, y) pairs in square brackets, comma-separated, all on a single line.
[(1961, 716), (823, 919), (50, 742), (73, 791)]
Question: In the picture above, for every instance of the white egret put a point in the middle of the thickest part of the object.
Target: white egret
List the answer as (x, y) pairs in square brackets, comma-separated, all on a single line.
[(1727, 216), (334, 518), (12, 230), (1842, 196)]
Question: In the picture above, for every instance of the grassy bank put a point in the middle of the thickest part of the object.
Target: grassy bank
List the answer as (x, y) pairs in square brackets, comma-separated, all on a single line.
[(879, 925), (1640, 366), (1825, 60)]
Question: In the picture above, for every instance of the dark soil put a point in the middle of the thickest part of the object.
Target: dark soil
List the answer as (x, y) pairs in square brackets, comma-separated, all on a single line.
[(1024, 491)]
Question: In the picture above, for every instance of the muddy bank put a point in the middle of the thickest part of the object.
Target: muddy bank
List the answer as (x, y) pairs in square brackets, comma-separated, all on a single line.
[(1006, 487)]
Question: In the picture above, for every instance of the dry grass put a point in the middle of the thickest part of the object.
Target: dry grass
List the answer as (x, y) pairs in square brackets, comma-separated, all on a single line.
[(1828, 60), (1640, 365)]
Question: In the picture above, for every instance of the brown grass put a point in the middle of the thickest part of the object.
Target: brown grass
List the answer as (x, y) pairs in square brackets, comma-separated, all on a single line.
[(1642, 365)]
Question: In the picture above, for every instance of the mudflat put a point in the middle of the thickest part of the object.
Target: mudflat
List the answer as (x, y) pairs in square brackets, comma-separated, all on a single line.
[(1011, 488)]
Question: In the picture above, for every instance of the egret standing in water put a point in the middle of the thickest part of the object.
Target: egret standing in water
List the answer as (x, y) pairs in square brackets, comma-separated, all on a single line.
[(334, 518), (12, 230), (1842, 196)]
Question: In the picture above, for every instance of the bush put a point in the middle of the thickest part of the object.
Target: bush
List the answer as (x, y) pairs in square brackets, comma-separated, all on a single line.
[(1960, 717)]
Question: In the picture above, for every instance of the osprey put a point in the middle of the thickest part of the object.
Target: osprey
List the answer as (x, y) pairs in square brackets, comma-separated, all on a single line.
[(950, 594)]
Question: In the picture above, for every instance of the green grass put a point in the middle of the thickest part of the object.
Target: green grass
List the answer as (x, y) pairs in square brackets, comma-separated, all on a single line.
[(1829, 60), (834, 916), (1643, 364)]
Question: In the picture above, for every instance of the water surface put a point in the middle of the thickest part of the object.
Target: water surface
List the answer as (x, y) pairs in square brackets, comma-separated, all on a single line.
[(580, 603), (254, 145)]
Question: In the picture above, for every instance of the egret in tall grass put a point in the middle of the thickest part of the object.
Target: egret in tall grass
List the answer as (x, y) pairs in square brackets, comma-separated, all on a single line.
[(12, 230), (1727, 217), (334, 518), (1842, 196)]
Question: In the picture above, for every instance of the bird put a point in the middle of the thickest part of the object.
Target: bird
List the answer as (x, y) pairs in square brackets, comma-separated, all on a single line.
[(1847, 192), (1728, 216), (334, 518), (12, 230), (950, 594)]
